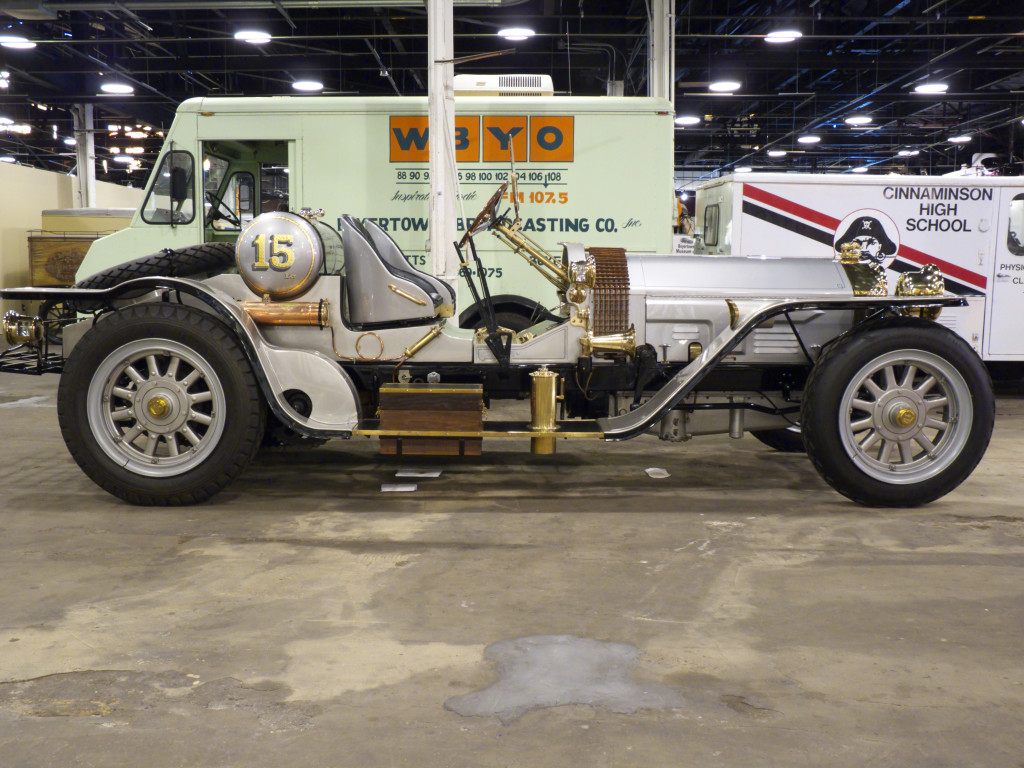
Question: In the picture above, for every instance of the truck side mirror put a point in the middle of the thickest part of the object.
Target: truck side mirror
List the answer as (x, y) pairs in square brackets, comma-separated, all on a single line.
[(179, 184)]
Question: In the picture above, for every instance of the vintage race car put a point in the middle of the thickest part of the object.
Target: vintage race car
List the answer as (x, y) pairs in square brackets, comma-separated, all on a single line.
[(171, 384)]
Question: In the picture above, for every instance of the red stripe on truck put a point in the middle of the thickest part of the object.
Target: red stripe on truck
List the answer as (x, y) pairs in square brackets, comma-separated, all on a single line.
[(957, 273), (756, 193)]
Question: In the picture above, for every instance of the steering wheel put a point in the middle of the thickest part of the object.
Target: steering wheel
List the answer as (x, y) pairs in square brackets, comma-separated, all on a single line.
[(220, 210), (486, 217)]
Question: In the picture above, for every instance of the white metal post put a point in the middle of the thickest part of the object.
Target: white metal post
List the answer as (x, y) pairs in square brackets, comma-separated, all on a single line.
[(441, 127), (661, 50), (85, 149)]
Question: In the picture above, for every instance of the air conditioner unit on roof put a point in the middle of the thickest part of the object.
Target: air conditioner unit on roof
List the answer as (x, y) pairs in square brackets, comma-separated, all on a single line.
[(504, 85)]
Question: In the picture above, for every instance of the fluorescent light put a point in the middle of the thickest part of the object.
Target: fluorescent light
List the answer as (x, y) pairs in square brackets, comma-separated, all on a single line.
[(782, 36), (724, 86), (119, 89), (909, 152), (253, 36), (71, 141), (15, 41), (743, 169), (516, 33), (931, 88), (858, 120), (134, 150), (809, 139), (308, 85), (959, 139), (6, 121), (687, 120), (859, 169), (6, 159), (125, 159), (776, 153)]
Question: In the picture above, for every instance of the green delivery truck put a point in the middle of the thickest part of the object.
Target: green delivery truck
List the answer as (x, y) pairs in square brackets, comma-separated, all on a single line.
[(592, 168)]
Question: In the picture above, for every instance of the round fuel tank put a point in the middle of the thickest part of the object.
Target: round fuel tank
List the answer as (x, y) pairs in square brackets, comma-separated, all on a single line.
[(282, 255)]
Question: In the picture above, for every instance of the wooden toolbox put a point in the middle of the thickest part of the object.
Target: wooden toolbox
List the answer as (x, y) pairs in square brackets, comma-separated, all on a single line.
[(431, 408)]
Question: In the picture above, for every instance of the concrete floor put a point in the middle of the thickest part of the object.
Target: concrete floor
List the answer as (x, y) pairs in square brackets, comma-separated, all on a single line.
[(304, 618)]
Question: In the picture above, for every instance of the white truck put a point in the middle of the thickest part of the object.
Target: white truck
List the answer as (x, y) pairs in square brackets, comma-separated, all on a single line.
[(972, 228), (594, 168)]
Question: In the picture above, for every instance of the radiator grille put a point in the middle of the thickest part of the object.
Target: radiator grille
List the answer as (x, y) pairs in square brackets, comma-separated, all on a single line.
[(611, 290)]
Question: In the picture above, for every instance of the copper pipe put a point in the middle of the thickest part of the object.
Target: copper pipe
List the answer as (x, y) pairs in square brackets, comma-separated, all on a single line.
[(288, 312)]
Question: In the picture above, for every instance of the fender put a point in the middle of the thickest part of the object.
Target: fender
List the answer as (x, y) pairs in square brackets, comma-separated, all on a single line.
[(335, 401)]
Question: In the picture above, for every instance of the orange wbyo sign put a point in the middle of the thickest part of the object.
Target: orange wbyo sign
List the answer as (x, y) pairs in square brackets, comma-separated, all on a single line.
[(488, 138)]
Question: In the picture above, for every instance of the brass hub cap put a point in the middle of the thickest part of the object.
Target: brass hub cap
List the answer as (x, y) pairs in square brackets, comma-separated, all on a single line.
[(158, 407), (905, 417)]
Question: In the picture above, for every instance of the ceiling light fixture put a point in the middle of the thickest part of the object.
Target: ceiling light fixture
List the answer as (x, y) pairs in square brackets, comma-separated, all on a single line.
[(308, 85), (809, 139), (909, 152), (858, 120), (71, 141), (15, 41), (254, 36), (124, 159), (782, 36), (687, 120), (859, 169), (117, 89), (776, 153), (959, 139), (931, 88), (6, 121), (724, 86), (744, 169), (6, 159), (516, 33)]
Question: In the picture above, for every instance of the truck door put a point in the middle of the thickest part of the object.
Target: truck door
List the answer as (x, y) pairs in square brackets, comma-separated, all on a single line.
[(1006, 296), (242, 179)]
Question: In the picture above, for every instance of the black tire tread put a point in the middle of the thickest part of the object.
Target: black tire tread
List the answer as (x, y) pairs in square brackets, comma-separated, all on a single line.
[(191, 321), (202, 259)]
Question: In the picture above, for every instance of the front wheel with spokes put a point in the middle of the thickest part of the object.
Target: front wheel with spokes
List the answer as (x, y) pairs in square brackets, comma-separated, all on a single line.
[(159, 405), (897, 414)]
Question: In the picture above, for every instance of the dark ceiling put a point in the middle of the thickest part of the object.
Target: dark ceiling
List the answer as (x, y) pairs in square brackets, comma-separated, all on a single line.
[(855, 56)]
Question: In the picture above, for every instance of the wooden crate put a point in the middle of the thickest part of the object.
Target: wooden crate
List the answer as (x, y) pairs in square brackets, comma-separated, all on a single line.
[(431, 408), (54, 258)]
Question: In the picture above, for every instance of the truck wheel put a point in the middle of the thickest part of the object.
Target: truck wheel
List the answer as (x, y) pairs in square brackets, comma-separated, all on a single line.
[(898, 414), (203, 259), (786, 440), (159, 406)]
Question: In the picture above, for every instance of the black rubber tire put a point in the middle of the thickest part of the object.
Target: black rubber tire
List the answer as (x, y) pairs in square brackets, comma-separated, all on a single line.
[(825, 419), (163, 325), (200, 260), (786, 439)]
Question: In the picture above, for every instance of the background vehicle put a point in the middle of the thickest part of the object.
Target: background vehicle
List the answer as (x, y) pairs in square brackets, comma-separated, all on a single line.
[(971, 227), (226, 160), (166, 392)]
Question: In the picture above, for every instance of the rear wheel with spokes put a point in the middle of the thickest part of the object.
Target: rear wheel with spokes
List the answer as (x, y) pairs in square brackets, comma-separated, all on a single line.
[(898, 414)]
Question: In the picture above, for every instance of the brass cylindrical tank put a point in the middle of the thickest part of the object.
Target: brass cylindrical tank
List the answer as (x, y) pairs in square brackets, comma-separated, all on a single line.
[(543, 402)]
